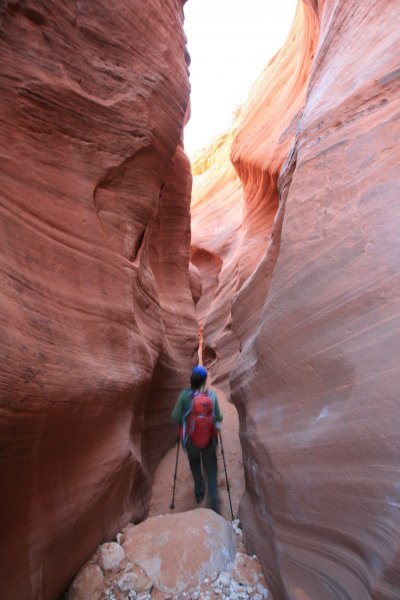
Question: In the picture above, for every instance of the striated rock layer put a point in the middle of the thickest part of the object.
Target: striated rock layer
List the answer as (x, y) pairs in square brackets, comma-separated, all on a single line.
[(233, 209), (97, 318), (217, 206), (315, 307)]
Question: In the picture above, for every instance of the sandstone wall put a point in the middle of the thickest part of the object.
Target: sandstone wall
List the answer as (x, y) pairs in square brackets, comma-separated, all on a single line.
[(217, 206), (233, 208), (316, 306), (97, 319)]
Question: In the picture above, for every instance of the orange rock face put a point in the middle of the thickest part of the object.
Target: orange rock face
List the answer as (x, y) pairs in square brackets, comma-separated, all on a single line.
[(233, 209), (97, 311), (315, 305), (216, 220)]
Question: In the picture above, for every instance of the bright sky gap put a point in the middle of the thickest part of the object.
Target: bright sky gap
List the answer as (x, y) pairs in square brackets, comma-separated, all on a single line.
[(230, 42)]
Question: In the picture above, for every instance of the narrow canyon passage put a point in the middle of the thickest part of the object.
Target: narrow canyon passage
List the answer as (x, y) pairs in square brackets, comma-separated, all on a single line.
[(208, 268), (184, 495), (284, 232)]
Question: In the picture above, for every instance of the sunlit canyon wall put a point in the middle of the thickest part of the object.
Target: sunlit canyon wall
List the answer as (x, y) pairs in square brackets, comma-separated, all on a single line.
[(98, 325), (302, 317)]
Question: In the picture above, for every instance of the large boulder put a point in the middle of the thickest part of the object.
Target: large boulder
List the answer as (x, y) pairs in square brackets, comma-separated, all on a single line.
[(180, 550)]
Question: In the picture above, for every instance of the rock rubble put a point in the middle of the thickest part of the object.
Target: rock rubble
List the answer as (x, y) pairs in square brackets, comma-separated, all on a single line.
[(112, 573)]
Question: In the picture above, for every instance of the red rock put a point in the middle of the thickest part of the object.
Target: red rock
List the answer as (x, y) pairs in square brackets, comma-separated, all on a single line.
[(111, 556), (215, 236), (135, 579), (88, 584), (246, 570), (178, 550), (314, 307), (232, 216), (97, 334)]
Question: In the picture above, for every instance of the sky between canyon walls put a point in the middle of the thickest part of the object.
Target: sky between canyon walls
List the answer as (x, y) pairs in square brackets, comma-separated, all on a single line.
[(230, 42)]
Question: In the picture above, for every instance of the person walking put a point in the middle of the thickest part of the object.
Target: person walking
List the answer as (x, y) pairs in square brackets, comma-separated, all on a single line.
[(199, 416)]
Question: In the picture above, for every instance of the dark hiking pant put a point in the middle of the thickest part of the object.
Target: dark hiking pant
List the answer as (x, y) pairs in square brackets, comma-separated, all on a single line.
[(200, 461)]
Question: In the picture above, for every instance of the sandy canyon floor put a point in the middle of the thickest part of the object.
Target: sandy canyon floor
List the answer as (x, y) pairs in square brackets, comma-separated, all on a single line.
[(184, 494)]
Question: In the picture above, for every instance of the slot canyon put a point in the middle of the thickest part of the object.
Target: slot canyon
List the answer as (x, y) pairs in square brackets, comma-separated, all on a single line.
[(278, 248)]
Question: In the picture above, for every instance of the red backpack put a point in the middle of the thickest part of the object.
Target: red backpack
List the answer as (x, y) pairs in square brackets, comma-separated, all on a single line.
[(201, 420)]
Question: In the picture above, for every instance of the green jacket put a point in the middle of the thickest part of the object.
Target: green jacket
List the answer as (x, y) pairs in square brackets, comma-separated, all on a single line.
[(183, 405)]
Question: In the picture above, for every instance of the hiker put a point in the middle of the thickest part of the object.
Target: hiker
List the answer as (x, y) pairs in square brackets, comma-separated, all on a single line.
[(199, 416)]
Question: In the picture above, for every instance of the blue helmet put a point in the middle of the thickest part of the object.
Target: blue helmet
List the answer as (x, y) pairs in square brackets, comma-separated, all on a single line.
[(200, 371)]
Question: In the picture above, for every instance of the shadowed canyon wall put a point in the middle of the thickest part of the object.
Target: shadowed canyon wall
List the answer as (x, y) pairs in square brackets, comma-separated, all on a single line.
[(310, 309), (295, 246), (98, 326)]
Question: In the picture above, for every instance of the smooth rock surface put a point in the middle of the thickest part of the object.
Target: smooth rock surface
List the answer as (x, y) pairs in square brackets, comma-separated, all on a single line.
[(98, 328), (309, 325), (217, 205), (317, 374), (233, 209), (182, 549)]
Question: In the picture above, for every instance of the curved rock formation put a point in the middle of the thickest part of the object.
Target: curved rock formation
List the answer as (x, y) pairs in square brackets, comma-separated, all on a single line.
[(217, 207), (97, 311), (316, 308), (232, 216)]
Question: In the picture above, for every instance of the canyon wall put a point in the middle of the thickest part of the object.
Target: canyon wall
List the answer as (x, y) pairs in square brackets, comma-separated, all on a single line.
[(233, 209), (217, 206), (98, 327), (315, 305)]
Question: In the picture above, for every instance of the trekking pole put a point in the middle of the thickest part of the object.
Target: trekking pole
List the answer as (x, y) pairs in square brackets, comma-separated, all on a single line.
[(226, 474), (172, 505)]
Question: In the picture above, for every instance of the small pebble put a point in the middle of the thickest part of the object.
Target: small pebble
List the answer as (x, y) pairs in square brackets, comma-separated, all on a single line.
[(111, 556), (249, 589), (127, 582), (237, 527), (237, 523), (224, 578), (262, 590)]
